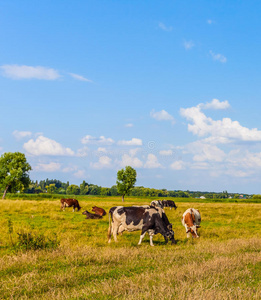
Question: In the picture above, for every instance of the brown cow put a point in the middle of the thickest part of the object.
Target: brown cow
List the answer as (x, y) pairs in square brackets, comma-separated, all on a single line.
[(70, 203), (99, 211), (91, 216), (191, 220)]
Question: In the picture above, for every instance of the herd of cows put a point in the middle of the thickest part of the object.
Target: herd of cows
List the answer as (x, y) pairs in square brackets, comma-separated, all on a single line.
[(150, 219)]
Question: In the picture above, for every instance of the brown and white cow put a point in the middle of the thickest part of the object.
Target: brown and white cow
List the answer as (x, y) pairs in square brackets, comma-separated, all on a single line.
[(99, 211), (152, 220), (70, 203), (91, 216), (191, 219)]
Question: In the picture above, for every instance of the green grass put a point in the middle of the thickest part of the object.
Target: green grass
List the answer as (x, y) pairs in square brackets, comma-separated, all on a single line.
[(224, 263)]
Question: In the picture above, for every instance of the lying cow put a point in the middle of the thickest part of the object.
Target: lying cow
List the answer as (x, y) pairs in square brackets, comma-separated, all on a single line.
[(99, 211), (70, 203), (191, 220), (91, 216), (152, 220)]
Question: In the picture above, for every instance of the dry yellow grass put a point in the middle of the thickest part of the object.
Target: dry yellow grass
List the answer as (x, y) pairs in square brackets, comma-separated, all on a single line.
[(224, 263)]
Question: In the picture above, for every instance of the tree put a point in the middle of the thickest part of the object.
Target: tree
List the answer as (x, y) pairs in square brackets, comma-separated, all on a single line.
[(14, 170), (51, 188), (125, 180), (73, 189)]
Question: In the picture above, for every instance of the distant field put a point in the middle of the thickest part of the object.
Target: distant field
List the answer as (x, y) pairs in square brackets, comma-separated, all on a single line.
[(224, 263)]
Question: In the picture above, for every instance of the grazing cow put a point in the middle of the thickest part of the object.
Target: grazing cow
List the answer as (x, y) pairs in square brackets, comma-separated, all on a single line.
[(99, 211), (152, 220), (91, 216), (157, 203), (191, 220), (169, 203), (70, 203), (163, 203)]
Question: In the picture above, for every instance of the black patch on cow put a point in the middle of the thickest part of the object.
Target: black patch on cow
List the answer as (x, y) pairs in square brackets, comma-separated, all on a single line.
[(133, 214)]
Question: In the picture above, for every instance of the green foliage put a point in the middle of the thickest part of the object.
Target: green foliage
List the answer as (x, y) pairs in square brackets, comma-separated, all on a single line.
[(73, 189), (14, 170), (51, 188), (126, 180), (35, 241), (84, 188)]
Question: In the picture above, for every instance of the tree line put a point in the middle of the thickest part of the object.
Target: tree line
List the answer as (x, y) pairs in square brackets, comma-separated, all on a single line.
[(14, 177)]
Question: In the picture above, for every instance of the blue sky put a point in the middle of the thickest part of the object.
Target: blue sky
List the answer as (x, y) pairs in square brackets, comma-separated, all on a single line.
[(171, 88)]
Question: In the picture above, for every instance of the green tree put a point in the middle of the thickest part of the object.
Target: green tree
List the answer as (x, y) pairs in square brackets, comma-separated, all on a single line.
[(14, 172), (51, 188), (84, 188), (125, 180), (73, 189)]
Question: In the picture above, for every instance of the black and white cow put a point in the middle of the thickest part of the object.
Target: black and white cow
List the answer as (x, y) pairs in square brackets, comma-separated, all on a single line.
[(157, 203), (152, 220), (169, 203), (163, 203)]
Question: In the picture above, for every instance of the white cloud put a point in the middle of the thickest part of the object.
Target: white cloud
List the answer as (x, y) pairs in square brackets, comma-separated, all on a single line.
[(164, 27), (79, 77), (132, 142), (83, 152), (209, 21), (152, 162), (188, 45), (215, 104), (45, 146), (104, 162), (206, 152), (178, 165), (102, 149), (162, 116), (79, 174), (218, 57), (224, 130), (50, 167), (166, 152), (133, 152), (29, 72), (129, 125), (128, 160), (88, 139), (21, 134)]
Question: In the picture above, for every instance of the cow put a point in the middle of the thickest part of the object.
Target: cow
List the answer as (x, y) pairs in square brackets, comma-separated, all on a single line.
[(157, 203), (163, 203), (152, 220), (191, 219), (99, 211), (91, 216), (70, 203), (169, 203)]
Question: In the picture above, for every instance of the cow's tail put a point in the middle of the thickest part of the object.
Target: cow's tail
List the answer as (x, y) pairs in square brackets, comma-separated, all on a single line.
[(109, 229)]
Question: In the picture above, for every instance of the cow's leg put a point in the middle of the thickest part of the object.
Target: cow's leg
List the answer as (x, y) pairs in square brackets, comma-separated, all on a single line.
[(114, 232), (187, 231), (141, 238), (73, 208)]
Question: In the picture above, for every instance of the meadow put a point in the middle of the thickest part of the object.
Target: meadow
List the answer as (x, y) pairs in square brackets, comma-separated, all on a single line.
[(224, 263)]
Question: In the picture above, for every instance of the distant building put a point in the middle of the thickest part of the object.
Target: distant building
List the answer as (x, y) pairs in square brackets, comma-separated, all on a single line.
[(202, 197)]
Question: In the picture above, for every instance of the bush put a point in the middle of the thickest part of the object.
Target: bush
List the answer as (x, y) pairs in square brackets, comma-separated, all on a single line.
[(34, 241)]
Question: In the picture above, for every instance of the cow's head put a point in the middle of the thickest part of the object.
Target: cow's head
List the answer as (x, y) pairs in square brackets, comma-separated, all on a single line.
[(169, 234), (193, 231)]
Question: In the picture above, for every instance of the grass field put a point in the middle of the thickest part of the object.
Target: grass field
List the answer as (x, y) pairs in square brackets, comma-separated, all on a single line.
[(224, 263)]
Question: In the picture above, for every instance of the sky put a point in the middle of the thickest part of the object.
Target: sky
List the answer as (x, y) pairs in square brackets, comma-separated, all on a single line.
[(171, 88)]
